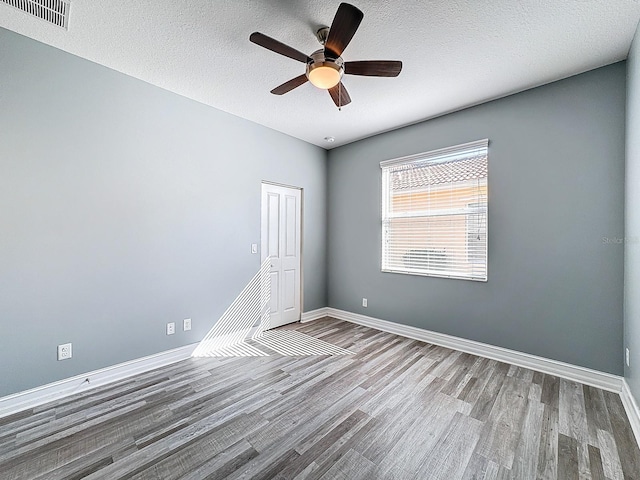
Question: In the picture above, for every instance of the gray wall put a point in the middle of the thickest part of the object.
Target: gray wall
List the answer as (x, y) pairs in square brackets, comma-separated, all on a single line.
[(632, 220), (124, 207), (556, 176)]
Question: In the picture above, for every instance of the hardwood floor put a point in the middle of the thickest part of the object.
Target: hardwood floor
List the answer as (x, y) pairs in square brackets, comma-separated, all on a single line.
[(395, 409)]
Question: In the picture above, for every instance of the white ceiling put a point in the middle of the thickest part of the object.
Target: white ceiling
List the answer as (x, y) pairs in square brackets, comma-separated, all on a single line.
[(456, 53)]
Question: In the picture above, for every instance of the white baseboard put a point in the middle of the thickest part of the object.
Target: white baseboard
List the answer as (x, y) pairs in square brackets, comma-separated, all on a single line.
[(60, 389), (595, 378), (54, 391), (314, 315), (632, 409), (606, 381)]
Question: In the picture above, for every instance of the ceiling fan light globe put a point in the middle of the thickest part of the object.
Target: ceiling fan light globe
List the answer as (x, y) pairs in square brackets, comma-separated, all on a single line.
[(324, 76)]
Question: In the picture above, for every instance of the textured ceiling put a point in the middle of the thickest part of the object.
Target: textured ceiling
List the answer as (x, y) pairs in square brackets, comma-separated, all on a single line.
[(456, 53)]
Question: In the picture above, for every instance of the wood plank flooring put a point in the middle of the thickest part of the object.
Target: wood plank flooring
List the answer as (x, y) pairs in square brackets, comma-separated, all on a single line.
[(395, 409)]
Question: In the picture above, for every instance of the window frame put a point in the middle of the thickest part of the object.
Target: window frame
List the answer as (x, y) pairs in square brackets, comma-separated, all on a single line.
[(434, 156)]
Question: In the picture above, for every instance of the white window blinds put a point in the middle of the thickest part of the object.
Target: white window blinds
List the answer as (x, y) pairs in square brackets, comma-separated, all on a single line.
[(434, 213)]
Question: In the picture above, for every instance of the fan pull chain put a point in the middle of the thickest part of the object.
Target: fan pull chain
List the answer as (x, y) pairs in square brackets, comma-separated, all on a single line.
[(340, 96)]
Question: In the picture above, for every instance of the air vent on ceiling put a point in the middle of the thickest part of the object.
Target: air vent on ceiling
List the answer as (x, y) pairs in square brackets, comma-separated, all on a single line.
[(52, 11)]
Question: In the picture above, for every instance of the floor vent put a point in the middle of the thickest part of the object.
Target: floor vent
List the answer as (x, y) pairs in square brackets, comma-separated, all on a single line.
[(52, 11)]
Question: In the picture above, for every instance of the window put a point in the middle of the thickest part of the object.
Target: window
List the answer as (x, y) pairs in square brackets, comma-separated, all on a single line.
[(434, 213)]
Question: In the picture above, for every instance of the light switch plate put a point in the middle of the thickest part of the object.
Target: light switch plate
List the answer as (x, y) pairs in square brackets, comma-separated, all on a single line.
[(254, 248), (171, 328), (186, 324)]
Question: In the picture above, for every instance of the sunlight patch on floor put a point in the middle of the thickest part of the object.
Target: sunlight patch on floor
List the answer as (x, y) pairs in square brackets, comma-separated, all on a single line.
[(241, 349), (243, 329), (250, 307), (291, 343)]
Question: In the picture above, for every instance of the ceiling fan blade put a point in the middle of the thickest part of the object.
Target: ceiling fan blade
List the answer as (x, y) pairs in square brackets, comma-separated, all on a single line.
[(278, 47), (340, 95), (374, 68), (290, 85), (344, 26)]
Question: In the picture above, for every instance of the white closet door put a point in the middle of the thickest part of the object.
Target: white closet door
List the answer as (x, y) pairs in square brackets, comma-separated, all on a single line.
[(280, 239)]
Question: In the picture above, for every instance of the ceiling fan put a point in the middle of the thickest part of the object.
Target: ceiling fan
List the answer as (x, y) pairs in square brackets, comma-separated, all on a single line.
[(325, 67)]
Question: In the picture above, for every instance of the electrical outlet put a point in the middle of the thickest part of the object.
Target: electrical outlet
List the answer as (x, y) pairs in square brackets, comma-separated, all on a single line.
[(364, 302), (626, 357), (64, 351), (186, 324), (254, 248), (171, 328)]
